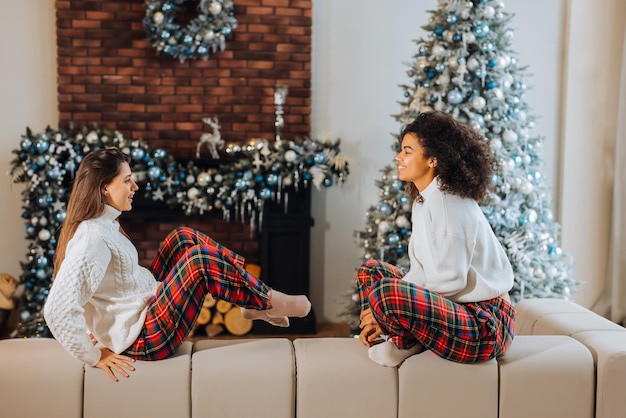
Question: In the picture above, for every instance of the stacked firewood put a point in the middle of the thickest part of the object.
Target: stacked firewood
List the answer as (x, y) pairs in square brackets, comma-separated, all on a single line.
[(218, 316)]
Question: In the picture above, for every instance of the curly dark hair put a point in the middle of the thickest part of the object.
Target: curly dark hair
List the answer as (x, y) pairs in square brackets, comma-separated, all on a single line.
[(464, 163)]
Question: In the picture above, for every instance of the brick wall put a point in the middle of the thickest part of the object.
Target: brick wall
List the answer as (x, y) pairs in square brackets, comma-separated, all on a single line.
[(109, 75)]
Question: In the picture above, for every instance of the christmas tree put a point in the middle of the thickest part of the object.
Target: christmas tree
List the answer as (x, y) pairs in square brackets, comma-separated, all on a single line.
[(465, 66)]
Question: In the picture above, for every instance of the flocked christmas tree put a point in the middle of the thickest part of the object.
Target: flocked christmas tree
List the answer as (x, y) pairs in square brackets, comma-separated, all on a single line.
[(465, 66)]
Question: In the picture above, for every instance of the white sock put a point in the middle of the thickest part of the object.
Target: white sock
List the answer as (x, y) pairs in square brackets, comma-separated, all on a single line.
[(283, 306), (388, 355)]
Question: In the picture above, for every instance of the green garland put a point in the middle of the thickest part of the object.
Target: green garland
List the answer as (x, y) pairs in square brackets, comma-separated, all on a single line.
[(203, 36), (239, 183)]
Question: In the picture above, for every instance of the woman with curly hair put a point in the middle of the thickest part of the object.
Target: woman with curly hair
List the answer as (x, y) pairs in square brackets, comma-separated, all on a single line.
[(454, 300)]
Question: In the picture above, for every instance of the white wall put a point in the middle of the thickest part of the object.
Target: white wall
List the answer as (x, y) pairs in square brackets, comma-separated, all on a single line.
[(360, 48), (27, 98)]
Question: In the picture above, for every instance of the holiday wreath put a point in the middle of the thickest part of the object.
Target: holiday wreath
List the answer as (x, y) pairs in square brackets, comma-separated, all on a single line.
[(203, 36), (239, 183)]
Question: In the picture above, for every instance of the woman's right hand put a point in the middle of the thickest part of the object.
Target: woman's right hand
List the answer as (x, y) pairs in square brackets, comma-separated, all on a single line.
[(110, 362), (370, 330)]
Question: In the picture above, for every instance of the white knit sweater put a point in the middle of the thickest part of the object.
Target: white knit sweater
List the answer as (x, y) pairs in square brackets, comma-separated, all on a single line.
[(453, 250), (99, 288)]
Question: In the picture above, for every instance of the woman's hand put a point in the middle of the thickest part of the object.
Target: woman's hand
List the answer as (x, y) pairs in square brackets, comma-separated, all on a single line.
[(370, 330), (109, 362)]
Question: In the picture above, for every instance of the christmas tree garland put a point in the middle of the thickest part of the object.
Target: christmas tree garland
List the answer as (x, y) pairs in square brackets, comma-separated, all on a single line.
[(247, 176), (203, 36)]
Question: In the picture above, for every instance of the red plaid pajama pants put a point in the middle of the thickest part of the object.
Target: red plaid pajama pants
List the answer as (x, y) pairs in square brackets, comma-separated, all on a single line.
[(189, 266), (409, 314)]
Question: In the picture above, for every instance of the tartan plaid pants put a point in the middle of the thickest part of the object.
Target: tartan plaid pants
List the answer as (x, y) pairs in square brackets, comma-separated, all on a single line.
[(189, 266), (409, 314)]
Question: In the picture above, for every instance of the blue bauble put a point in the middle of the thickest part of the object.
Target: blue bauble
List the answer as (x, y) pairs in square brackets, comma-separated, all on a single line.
[(385, 208), (319, 158), (454, 97), (137, 154), (481, 29), (159, 153), (451, 19), (41, 273), (272, 179), (43, 201), (265, 193), (327, 182), (59, 216), (42, 145), (26, 144), (31, 231), (307, 176), (41, 261), (241, 184), (54, 173), (259, 178), (397, 185), (393, 238), (154, 172)]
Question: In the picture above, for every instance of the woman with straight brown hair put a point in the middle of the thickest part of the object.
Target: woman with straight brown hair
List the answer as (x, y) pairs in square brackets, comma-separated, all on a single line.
[(107, 310)]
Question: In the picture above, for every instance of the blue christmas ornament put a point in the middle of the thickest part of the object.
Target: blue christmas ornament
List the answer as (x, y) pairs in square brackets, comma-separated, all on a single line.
[(259, 178), (44, 201), (53, 173), (481, 29), (404, 200), (154, 172), (41, 261), (59, 216), (393, 238), (307, 176), (41, 273), (451, 18), (319, 158), (241, 184), (42, 145), (272, 179), (137, 154), (26, 144), (327, 182), (31, 231), (265, 193), (454, 97), (397, 185), (385, 208)]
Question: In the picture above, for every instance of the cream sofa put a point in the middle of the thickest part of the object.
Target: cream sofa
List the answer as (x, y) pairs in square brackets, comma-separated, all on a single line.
[(565, 362)]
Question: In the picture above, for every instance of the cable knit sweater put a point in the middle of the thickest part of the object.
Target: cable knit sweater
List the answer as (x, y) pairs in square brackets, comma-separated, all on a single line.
[(453, 250), (99, 288)]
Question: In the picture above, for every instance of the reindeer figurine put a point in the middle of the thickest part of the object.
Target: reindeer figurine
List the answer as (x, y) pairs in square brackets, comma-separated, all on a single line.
[(213, 140)]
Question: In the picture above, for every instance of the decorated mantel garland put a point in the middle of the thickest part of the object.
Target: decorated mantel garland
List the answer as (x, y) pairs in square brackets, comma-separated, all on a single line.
[(203, 36), (239, 183)]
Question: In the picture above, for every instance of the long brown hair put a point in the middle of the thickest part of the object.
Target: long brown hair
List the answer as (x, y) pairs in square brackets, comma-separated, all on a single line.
[(97, 169), (464, 163)]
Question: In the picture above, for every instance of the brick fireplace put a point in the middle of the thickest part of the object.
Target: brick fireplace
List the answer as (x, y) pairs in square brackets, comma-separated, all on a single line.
[(110, 76)]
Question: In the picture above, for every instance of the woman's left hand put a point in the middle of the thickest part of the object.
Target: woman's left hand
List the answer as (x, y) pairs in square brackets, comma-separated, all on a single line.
[(370, 330)]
